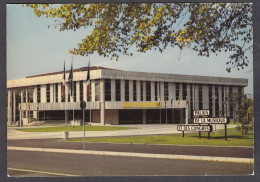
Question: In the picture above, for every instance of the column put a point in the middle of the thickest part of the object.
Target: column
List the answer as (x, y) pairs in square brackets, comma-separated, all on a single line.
[(93, 89), (144, 116), (26, 101), (180, 95), (186, 116), (43, 93), (51, 93), (138, 90), (21, 111), (122, 84), (35, 101), (14, 106), (102, 102), (131, 90), (152, 91), (144, 90), (161, 88), (205, 96), (113, 90), (9, 118)]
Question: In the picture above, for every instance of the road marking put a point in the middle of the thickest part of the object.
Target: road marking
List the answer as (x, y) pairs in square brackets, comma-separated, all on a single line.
[(43, 172), (131, 154)]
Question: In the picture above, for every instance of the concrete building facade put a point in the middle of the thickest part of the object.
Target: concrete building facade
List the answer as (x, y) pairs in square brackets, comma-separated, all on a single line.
[(120, 97)]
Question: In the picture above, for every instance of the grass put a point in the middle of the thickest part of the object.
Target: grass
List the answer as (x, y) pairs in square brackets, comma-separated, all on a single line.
[(216, 139), (76, 128)]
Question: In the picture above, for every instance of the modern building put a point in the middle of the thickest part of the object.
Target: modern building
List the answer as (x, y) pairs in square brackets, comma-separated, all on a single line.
[(121, 97)]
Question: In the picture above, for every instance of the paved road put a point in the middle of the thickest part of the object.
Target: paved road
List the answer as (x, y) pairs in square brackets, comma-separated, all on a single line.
[(13, 134), (240, 152), (59, 164)]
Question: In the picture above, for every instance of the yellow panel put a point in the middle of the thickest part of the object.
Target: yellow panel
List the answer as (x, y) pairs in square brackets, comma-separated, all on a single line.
[(142, 104)]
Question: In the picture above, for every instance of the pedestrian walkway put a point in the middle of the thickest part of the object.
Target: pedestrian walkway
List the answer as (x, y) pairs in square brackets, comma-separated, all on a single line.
[(163, 129)]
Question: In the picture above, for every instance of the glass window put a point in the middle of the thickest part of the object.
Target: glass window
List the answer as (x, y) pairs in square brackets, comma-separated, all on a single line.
[(148, 90), (118, 90), (97, 90), (216, 101), (191, 100), (166, 91), (74, 91), (89, 99), (48, 92), (200, 98), (134, 90), (156, 90), (177, 90), (141, 90), (81, 90), (56, 92), (126, 90), (184, 91), (38, 93), (107, 90), (210, 100)]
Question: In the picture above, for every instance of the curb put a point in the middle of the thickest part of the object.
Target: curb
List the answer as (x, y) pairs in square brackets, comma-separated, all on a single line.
[(130, 154)]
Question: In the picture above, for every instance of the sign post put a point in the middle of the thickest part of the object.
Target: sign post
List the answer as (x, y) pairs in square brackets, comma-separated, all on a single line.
[(192, 127), (83, 106)]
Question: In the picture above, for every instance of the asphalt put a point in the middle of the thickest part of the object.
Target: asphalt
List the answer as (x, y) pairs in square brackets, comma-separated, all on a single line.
[(234, 152)]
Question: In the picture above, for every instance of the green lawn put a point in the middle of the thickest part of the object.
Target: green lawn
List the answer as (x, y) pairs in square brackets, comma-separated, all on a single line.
[(217, 139), (76, 128)]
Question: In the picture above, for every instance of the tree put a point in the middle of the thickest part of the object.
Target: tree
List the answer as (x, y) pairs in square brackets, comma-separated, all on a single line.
[(205, 27), (243, 109)]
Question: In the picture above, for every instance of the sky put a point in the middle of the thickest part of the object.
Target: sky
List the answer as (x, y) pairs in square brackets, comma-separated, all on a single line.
[(34, 49)]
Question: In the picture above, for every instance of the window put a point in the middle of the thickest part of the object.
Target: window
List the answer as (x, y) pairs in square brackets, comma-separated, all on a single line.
[(17, 103), (184, 91), (216, 101), (48, 92), (118, 90), (81, 90), (24, 97), (200, 98), (223, 99), (134, 90), (62, 97), (74, 91), (126, 90), (38, 93), (156, 90), (97, 90), (210, 101), (177, 90), (142, 94), (89, 99), (56, 92), (191, 100), (231, 102), (107, 90), (148, 90), (166, 91)]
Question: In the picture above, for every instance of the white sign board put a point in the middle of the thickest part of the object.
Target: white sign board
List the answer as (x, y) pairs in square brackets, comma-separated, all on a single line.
[(206, 128), (210, 120), (200, 112)]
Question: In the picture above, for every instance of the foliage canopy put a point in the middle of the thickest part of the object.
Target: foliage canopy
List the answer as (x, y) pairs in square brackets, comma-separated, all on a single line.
[(204, 27)]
